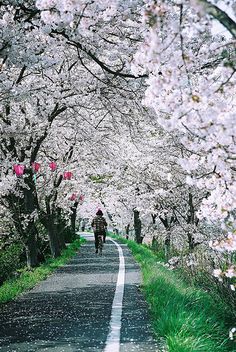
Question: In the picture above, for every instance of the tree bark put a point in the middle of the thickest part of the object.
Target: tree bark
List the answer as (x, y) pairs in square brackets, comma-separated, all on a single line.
[(191, 242), (191, 220), (167, 225), (52, 228), (73, 220), (53, 238), (28, 208), (127, 231), (31, 249), (153, 218), (137, 227), (167, 246), (60, 228)]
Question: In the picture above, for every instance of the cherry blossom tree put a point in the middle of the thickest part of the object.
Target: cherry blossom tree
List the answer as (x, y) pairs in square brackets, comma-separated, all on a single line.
[(68, 95)]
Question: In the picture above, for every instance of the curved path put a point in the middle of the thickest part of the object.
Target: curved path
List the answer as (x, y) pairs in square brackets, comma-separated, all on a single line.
[(84, 306)]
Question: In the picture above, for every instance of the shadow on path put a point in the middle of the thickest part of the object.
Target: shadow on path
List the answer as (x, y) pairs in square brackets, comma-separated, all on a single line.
[(70, 311)]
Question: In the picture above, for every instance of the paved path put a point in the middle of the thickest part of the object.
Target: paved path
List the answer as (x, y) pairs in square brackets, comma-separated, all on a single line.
[(71, 310)]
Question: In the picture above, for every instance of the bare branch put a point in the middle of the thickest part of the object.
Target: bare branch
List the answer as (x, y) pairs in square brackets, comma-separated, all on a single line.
[(220, 16)]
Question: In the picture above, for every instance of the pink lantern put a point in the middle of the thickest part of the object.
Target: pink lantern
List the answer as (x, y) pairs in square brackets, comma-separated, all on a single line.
[(73, 196), (35, 166), (19, 169), (52, 165), (67, 175), (81, 197)]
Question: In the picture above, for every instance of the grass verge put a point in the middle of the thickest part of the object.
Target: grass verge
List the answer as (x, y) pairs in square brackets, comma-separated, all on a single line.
[(186, 317), (29, 278)]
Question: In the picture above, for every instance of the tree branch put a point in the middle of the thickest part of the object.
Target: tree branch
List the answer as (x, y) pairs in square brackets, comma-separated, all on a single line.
[(220, 16), (20, 77), (95, 59)]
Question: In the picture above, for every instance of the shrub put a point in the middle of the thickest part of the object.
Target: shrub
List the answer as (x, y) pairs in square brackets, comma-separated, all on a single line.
[(10, 260)]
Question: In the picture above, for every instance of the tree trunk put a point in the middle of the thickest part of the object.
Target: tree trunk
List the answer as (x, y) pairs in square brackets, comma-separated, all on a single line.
[(53, 239), (154, 216), (137, 227), (127, 231), (155, 243), (73, 220), (60, 233), (60, 228), (191, 242), (167, 246), (191, 220), (52, 228), (31, 247), (167, 225)]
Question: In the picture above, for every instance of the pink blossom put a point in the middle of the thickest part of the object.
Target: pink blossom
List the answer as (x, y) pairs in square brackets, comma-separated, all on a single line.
[(230, 272), (217, 273)]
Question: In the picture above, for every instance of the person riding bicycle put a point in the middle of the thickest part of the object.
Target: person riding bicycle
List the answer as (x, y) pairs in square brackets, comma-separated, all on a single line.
[(99, 226)]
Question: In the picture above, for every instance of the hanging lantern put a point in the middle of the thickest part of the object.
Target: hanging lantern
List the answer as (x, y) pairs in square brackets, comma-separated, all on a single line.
[(35, 167), (81, 197), (52, 166), (19, 169), (73, 197), (67, 175)]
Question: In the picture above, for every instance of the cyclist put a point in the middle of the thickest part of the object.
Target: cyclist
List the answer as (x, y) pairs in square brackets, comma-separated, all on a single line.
[(99, 226)]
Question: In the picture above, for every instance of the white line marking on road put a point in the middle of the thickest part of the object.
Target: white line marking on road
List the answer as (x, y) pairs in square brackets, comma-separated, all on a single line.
[(113, 339)]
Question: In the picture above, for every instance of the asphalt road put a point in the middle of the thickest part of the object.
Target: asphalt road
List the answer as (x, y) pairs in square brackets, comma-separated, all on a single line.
[(71, 310)]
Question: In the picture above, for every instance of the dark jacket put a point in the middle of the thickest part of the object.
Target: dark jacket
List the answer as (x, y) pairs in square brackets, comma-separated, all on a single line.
[(99, 224)]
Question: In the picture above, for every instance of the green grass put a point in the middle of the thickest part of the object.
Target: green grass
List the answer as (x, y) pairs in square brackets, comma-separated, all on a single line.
[(29, 278), (189, 319)]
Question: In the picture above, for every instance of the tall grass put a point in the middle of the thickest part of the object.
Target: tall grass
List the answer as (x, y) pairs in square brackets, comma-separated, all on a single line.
[(29, 278), (188, 318)]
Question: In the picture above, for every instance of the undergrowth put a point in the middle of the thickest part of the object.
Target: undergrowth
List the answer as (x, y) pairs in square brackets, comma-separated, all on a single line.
[(189, 318), (29, 278)]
